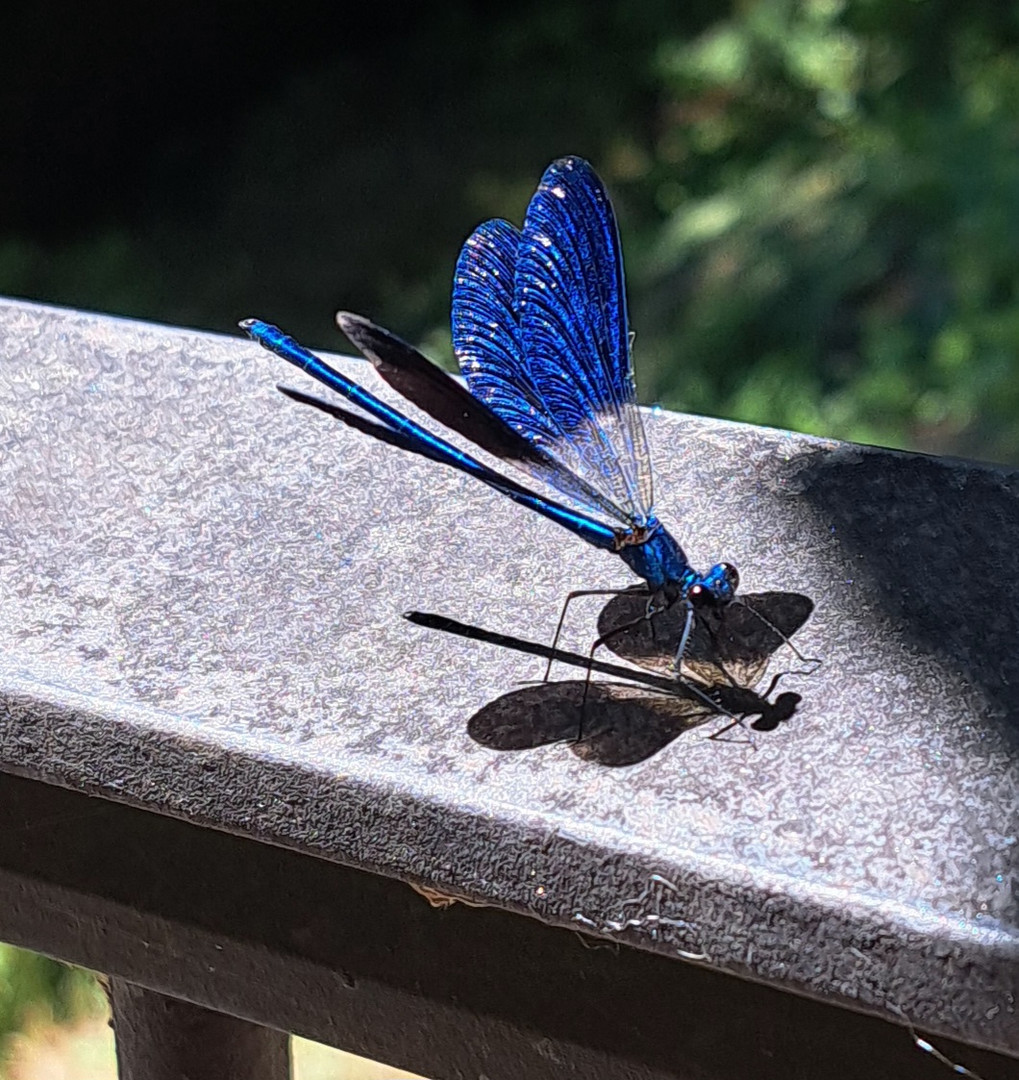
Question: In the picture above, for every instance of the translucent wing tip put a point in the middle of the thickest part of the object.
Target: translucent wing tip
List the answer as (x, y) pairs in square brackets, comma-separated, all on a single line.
[(346, 319), (369, 339), (387, 352), (357, 328), (571, 163)]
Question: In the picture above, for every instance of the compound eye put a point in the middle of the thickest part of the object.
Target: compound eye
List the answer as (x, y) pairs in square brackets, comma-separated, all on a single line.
[(731, 575), (699, 596)]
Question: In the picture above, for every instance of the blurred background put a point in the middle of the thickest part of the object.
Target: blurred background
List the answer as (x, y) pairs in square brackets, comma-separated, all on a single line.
[(818, 199)]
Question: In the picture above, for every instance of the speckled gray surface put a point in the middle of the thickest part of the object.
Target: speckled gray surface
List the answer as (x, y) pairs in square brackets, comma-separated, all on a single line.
[(200, 597)]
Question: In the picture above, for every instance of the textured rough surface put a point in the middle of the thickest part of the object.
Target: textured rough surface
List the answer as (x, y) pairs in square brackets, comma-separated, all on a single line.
[(200, 598), (161, 1038), (361, 961)]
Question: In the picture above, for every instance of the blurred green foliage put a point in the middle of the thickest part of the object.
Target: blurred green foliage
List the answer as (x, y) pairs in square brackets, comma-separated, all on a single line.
[(36, 989), (819, 200), (838, 194)]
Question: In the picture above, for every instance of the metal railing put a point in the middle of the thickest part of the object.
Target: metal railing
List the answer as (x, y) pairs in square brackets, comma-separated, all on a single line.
[(228, 768)]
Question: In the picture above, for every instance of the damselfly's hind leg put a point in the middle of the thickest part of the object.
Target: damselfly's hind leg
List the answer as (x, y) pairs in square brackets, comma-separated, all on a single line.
[(589, 592), (656, 603), (717, 654), (813, 662)]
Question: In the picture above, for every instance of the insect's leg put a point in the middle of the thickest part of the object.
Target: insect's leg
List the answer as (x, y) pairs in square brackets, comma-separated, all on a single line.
[(598, 642), (814, 661), (689, 687), (736, 721), (717, 649), (562, 615), (655, 603), (687, 628)]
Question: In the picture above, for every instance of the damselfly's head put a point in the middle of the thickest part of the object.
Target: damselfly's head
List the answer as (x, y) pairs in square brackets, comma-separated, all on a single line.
[(716, 588)]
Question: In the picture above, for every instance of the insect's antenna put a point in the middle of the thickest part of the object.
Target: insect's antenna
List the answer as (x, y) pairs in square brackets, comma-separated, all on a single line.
[(814, 661)]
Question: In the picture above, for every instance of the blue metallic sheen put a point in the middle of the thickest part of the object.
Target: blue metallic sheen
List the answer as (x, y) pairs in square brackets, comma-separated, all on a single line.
[(540, 330), (273, 339), (541, 333), (660, 562), (718, 581)]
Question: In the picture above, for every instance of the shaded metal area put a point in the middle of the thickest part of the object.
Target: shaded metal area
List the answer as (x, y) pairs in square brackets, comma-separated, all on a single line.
[(200, 599), (163, 1038), (365, 963)]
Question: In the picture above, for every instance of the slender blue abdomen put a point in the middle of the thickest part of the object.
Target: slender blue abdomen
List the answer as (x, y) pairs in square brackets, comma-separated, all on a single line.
[(413, 437)]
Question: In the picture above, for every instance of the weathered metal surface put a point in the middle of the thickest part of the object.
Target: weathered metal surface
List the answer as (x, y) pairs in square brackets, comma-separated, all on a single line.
[(363, 962), (200, 591)]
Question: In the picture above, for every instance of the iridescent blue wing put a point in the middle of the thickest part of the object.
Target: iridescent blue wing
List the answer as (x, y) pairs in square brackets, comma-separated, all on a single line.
[(444, 399), (570, 294), (486, 334), (555, 361)]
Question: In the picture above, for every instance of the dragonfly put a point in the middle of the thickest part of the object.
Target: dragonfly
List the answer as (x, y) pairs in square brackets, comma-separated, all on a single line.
[(541, 333)]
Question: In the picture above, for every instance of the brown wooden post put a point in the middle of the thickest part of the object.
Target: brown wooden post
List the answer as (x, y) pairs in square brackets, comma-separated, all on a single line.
[(163, 1038)]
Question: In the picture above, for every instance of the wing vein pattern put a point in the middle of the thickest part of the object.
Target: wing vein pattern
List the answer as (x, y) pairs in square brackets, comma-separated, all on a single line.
[(540, 330)]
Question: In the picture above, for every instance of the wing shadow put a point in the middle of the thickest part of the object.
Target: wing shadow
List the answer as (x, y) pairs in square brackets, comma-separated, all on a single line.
[(619, 724), (624, 723), (729, 645)]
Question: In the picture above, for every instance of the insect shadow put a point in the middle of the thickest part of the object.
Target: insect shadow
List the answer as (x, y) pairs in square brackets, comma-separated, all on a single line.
[(626, 722), (730, 645)]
